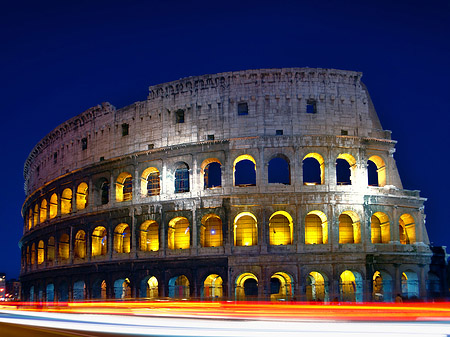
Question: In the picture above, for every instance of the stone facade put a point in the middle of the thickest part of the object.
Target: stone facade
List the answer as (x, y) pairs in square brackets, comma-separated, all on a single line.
[(277, 183)]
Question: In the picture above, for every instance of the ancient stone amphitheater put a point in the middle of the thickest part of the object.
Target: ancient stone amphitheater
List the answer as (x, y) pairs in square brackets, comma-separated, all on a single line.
[(274, 183)]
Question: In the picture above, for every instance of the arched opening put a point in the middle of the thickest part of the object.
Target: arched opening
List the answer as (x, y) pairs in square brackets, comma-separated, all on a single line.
[(43, 211), (63, 292), (40, 252), (124, 187), (80, 245), (244, 169), (212, 287), (33, 253), (245, 229), (317, 287), (212, 173), (149, 236), (434, 289), (407, 229), (82, 196), (99, 241), (280, 228), (380, 228), (79, 291), (36, 215), (122, 238), (51, 249), (122, 288), (30, 219), (376, 171), (150, 182), (99, 289), (179, 287), (66, 201), (246, 286), (350, 286), (345, 167), (181, 178), (410, 285), (316, 228), (149, 287), (349, 228), (211, 231), (63, 247), (381, 287), (279, 171), (103, 188), (313, 169), (179, 233), (53, 206), (281, 287), (50, 292), (28, 256), (32, 293)]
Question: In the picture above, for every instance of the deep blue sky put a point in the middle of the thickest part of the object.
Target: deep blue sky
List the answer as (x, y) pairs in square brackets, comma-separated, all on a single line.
[(58, 58)]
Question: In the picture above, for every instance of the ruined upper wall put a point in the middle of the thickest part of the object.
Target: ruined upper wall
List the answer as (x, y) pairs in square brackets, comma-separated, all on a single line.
[(276, 98)]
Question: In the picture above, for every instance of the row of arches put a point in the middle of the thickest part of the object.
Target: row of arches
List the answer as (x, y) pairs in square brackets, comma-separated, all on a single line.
[(316, 287), (244, 174), (211, 234)]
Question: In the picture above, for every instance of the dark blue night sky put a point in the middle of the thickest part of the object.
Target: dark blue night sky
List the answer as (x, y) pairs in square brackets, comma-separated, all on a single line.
[(59, 58)]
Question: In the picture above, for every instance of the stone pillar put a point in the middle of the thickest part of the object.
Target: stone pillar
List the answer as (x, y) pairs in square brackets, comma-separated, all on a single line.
[(395, 235), (74, 199), (422, 282), (397, 281), (112, 190)]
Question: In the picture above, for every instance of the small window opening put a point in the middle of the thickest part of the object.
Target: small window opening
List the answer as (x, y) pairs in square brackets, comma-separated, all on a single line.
[(279, 132), (210, 137), (311, 107), (242, 109), (344, 133), (83, 143), (179, 116), (125, 129), (38, 169), (55, 157), (102, 158), (151, 146)]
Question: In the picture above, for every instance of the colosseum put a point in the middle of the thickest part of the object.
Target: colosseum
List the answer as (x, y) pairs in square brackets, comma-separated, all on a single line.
[(278, 184)]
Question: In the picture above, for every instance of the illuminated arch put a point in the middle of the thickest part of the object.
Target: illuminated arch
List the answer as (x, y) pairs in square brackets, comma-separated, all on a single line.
[(179, 287), (211, 231), (410, 284), (149, 236), (380, 173), (122, 288), (63, 247), (350, 286), (36, 215), (182, 178), (279, 171), (80, 244), (150, 182), (245, 229), (382, 286), (179, 235), (212, 287), (30, 218), (349, 228), (51, 249), (246, 286), (211, 170), (122, 238), (316, 228), (33, 253), (244, 172), (281, 286), (99, 289), (380, 228), (99, 241), (407, 228), (40, 252), (313, 169), (317, 287), (66, 201), (53, 205), (149, 287), (82, 196), (280, 228), (345, 169), (43, 211), (124, 187)]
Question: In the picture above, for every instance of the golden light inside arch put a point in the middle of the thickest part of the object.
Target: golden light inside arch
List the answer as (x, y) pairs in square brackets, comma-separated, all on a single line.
[(316, 233), (144, 179), (208, 161), (278, 235), (248, 235), (348, 157)]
